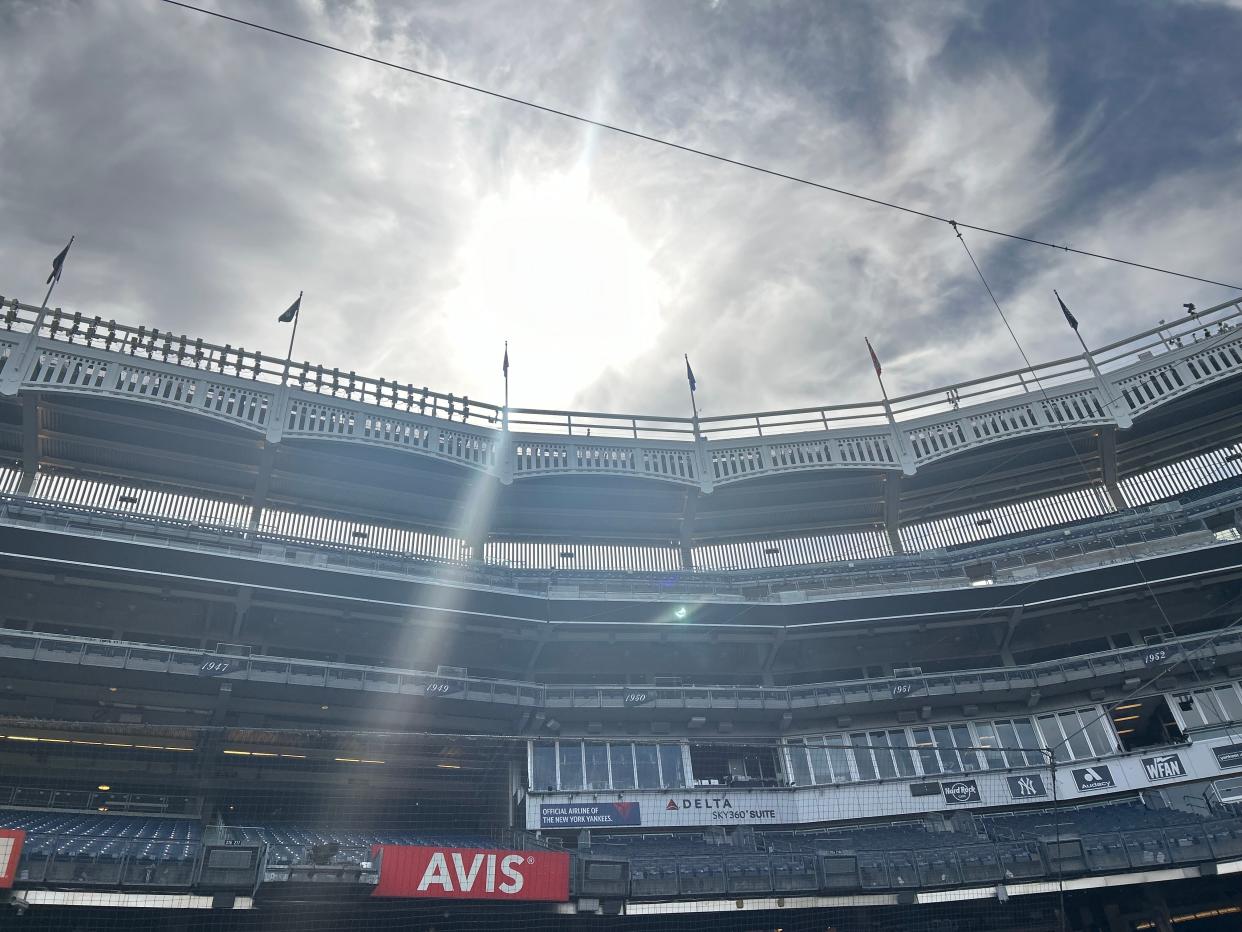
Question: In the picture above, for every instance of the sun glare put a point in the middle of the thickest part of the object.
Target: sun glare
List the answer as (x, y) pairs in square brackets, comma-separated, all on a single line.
[(556, 271)]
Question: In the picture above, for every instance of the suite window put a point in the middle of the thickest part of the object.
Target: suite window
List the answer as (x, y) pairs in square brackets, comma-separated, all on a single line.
[(799, 764), (570, 755), (673, 772), (820, 760), (648, 760), (1075, 735), (863, 761), (544, 765), (597, 767), (622, 766), (838, 758), (1213, 706), (1009, 743)]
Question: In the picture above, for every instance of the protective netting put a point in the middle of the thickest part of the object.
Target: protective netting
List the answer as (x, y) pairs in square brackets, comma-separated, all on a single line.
[(141, 826)]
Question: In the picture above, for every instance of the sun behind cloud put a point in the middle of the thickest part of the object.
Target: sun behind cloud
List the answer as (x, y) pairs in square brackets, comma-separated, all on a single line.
[(556, 270)]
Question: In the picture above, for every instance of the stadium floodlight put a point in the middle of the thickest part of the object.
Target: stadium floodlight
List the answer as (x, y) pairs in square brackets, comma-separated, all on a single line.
[(103, 787), (679, 612)]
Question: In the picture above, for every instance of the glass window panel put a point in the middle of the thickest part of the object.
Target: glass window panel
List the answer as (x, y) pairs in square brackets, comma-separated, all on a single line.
[(799, 767), (1097, 732), (839, 757), (1191, 717), (1227, 697), (1028, 740), (1075, 737), (1053, 737), (927, 754), (1208, 708), (965, 745), (904, 758), (989, 739), (571, 765), (670, 764), (597, 766), (622, 766), (544, 777), (821, 769), (648, 766), (944, 742), (883, 757), (862, 757)]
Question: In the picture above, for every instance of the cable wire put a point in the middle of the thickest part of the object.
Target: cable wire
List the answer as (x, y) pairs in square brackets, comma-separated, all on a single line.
[(613, 128)]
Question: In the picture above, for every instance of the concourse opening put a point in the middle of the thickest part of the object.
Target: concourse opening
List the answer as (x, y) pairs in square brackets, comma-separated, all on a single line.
[(1146, 722)]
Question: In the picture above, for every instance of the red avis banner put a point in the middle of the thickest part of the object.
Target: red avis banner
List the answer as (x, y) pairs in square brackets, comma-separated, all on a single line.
[(472, 874), (10, 853)]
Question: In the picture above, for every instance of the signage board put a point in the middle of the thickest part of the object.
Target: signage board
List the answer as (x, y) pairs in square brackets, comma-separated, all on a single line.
[(1163, 767), (1228, 756), (586, 815), (960, 791), (1098, 777), (410, 871), (1026, 786), (10, 853), (633, 698), (715, 808)]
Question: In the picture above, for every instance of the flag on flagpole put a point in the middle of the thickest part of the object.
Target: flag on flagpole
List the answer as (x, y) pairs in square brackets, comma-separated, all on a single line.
[(505, 366), (875, 360), (292, 312), (58, 263), (1069, 318), (690, 374)]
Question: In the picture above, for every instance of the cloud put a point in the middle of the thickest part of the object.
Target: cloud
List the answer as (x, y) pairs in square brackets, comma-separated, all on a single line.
[(211, 172)]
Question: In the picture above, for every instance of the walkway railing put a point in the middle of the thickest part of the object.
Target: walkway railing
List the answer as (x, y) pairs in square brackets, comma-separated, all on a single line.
[(73, 352)]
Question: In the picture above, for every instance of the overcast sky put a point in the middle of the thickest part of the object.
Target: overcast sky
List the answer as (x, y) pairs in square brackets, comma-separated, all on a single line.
[(211, 172)]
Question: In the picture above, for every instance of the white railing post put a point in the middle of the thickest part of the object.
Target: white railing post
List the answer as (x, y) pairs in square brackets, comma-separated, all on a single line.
[(905, 456), (1111, 399), (278, 413)]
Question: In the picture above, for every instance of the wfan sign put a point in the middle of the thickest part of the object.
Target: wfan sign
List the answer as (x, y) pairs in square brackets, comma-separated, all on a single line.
[(472, 874), (10, 853), (1163, 767)]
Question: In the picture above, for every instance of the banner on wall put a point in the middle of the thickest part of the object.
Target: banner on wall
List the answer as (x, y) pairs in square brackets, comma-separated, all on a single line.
[(676, 808), (1099, 777), (588, 815), (960, 791), (1228, 756), (1163, 767), (410, 871), (1027, 786)]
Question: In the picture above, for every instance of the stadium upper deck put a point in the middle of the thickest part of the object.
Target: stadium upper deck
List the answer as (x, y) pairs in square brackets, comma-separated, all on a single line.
[(457, 479)]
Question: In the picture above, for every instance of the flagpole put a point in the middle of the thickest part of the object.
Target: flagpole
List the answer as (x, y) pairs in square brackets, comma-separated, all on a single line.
[(1109, 403), (293, 335), (15, 372), (693, 404), (55, 278), (284, 378), (504, 423), (899, 445)]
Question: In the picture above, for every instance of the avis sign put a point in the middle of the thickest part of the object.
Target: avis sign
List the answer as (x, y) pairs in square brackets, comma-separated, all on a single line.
[(472, 874)]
